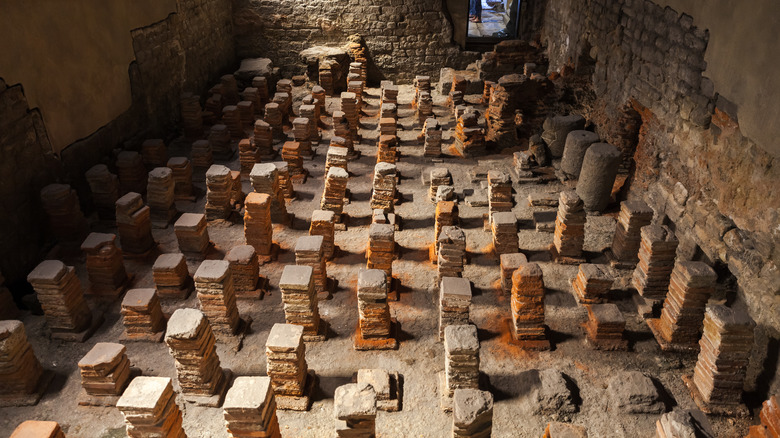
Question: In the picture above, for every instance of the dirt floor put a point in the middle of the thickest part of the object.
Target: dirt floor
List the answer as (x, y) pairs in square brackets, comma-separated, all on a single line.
[(507, 371)]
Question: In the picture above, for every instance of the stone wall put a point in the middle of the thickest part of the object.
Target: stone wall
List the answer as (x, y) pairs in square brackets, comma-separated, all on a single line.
[(692, 163), (404, 37), (188, 50)]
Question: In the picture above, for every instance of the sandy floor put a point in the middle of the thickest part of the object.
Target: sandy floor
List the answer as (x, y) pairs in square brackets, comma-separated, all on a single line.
[(420, 356)]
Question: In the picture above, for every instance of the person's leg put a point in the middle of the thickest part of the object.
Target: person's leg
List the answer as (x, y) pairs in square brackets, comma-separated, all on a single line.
[(511, 26)]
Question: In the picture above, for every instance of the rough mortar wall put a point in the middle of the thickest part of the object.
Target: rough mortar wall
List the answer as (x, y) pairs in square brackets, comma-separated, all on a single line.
[(404, 37), (716, 187)]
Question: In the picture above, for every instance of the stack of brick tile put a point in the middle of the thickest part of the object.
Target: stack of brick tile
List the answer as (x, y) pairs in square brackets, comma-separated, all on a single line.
[(472, 413), (387, 151), (245, 271), (335, 190), (605, 327), (229, 88), (323, 224), (286, 365), (66, 221), (284, 86), (153, 153), (373, 311), (451, 252), (246, 112), (131, 171), (424, 106), (285, 181), (265, 179), (300, 299), (202, 155), (461, 357), (20, 371), (160, 196), (341, 129), (182, 177), (192, 234), (273, 116), (252, 94), (219, 185), (105, 370), (591, 284), (301, 127), (725, 347), (336, 157), (193, 346), (499, 192), (309, 252), (231, 117), (657, 251), (633, 216), (284, 101), (501, 111), (383, 195), (291, 154), (261, 83), (356, 87), (142, 314), (134, 224), (357, 68), (318, 93), (509, 263), (469, 136), (149, 407), (311, 112), (325, 74), (439, 176), (247, 155), (388, 110), (105, 267), (104, 187), (219, 139), (250, 409), (422, 84), (446, 215), (454, 302), (486, 91), (191, 115), (504, 228), (528, 307), (388, 126), (258, 230), (263, 139), (432, 132), (381, 248), (216, 295), (355, 407), (58, 289), (350, 109), (172, 277), (690, 287), (569, 225), (38, 429), (213, 106)]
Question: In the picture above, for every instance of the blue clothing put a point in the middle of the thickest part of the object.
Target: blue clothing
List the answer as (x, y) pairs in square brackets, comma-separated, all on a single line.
[(475, 8)]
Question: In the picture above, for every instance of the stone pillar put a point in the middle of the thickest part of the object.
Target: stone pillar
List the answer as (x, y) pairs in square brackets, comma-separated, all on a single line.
[(576, 144), (172, 277), (690, 287), (504, 228), (349, 107), (528, 308), (451, 252), (300, 301), (263, 140), (461, 361), (105, 266), (285, 179), (104, 187), (291, 154), (66, 221), (446, 216), (301, 131), (133, 224), (355, 86), (334, 192), (342, 129), (192, 234), (499, 192), (311, 112), (591, 284), (725, 347), (432, 133), (217, 298), (387, 151), (131, 171), (509, 263), (245, 270), (323, 224), (440, 176), (422, 84), (150, 410), (383, 195), (192, 345), (454, 302), (250, 409), (59, 291), (605, 327), (599, 169), (105, 373), (142, 315), (657, 250), (219, 140), (202, 156), (182, 178), (247, 155), (160, 196), (218, 192), (273, 116), (354, 406), (381, 248), (318, 93), (286, 366), (557, 128), (472, 413), (469, 136), (569, 226), (21, 375), (309, 252), (336, 157), (258, 230), (375, 331), (625, 245), (265, 179), (154, 153)]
